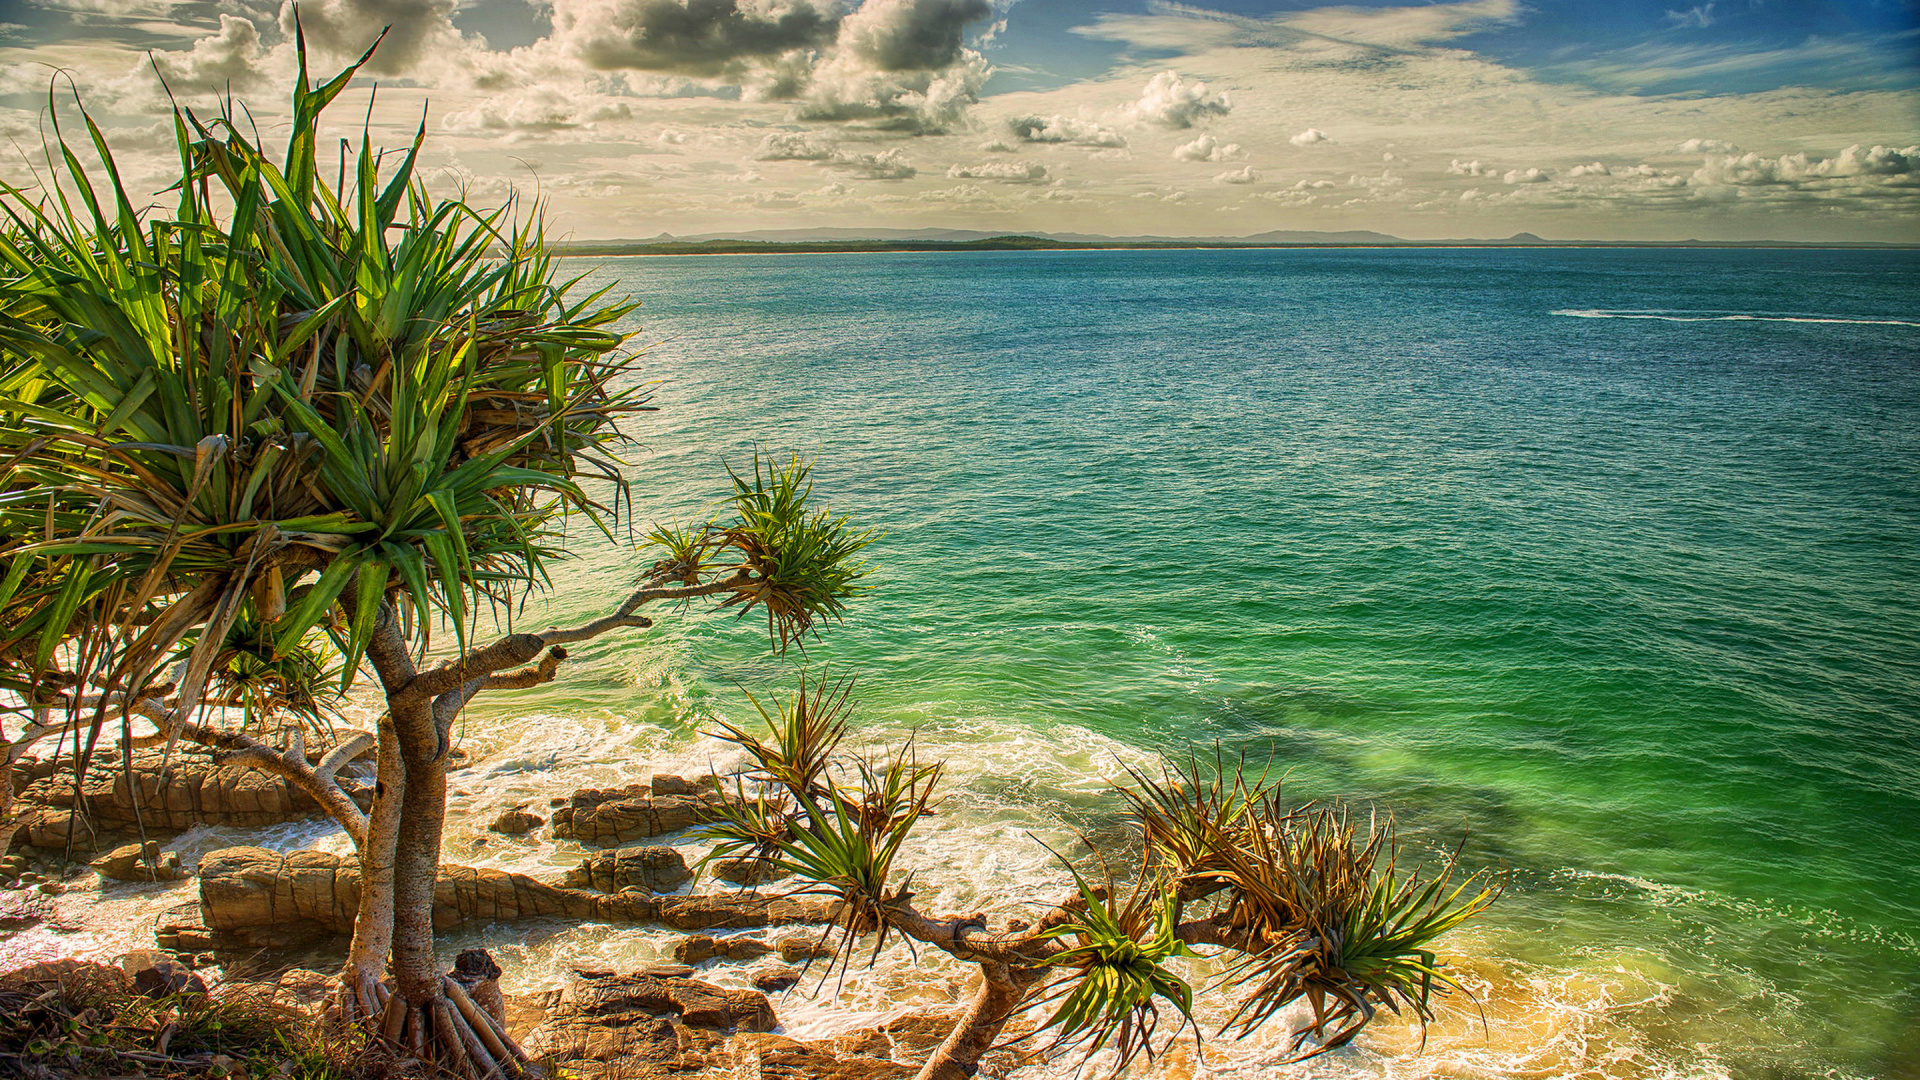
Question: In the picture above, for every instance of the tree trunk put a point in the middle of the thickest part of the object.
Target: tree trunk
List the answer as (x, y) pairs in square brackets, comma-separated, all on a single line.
[(1001, 995), (362, 997), (416, 864)]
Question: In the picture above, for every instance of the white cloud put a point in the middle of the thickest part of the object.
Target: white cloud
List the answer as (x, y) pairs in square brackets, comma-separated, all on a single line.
[(1174, 102), (1006, 172), (792, 146), (231, 58), (1471, 168), (1309, 137), (1242, 175), (885, 165), (1882, 164), (1064, 129), (1208, 148), (1591, 169), (417, 31), (1526, 176), (1707, 146)]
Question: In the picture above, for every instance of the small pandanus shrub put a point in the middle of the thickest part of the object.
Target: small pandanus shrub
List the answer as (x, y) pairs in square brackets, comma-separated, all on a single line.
[(1299, 903)]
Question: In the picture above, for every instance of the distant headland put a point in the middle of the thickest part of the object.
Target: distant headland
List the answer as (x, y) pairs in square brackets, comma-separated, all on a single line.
[(792, 241)]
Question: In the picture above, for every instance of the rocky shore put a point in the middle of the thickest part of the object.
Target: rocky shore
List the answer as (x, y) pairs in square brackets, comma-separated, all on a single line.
[(259, 918)]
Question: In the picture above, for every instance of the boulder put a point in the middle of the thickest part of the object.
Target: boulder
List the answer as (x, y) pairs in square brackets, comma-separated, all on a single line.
[(516, 823), (252, 898), (700, 948), (138, 862), (157, 975), (775, 979), (799, 948), (610, 818), (669, 990), (673, 785), (653, 869)]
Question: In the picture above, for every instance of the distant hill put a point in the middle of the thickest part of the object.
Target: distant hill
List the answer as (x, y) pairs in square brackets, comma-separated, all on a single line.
[(795, 241)]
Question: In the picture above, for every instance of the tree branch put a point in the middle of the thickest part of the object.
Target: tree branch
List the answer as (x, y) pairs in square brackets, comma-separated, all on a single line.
[(517, 649)]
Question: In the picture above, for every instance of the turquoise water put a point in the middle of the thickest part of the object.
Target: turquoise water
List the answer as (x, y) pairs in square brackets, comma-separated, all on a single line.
[(1609, 557)]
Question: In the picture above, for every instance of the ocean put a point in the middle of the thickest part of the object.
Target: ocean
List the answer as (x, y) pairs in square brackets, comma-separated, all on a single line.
[(1602, 560)]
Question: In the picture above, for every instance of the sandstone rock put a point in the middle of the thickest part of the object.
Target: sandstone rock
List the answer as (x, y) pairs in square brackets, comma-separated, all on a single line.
[(799, 948), (167, 793), (669, 990), (674, 785), (654, 869), (251, 898), (622, 815), (516, 823), (303, 988), (136, 862), (781, 1058), (774, 980), (699, 948)]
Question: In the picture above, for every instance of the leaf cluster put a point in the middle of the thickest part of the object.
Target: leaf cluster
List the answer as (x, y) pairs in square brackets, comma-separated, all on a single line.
[(1317, 908), (280, 404)]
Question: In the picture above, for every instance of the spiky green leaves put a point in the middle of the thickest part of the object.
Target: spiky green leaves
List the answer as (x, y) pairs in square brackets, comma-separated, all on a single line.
[(837, 823), (1318, 911), (1116, 955), (290, 401), (784, 555)]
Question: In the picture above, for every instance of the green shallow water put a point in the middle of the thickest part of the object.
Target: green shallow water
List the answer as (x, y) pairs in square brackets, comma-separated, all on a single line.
[(1609, 556)]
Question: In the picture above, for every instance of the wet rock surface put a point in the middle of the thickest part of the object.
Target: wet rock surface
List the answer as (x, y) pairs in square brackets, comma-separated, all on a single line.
[(616, 816), (654, 869), (252, 898), (516, 823), (166, 793), (141, 862)]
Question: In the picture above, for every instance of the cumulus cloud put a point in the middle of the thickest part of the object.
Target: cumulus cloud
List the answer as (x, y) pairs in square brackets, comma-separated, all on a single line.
[(999, 146), (1208, 148), (1593, 169), (1242, 175), (1878, 163), (1006, 172), (1707, 146), (546, 110), (1527, 176), (694, 37), (792, 146), (902, 63), (1309, 137), (1174, 102), (885, 165), (230, 58), (1470, 168), (1064, 129), (416, 30)]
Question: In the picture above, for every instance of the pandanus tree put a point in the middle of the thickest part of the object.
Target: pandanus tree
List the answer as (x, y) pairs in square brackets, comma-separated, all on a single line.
[(1301, 903), (291, 428)]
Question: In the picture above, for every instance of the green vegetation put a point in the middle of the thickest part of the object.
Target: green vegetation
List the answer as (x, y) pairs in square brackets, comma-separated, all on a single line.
[(1299, 903), (278, 435), (264, 444)]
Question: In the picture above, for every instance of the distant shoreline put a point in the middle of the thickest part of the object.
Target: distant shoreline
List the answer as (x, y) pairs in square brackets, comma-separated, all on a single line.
[(1033, 243)]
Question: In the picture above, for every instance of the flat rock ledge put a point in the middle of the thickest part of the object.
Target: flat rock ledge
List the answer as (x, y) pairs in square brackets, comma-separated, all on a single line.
[(252, 898), (659, 1023), (166, 793), (616, 816)]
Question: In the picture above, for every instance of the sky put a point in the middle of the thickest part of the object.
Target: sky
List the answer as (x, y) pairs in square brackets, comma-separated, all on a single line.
[(1630, 119)]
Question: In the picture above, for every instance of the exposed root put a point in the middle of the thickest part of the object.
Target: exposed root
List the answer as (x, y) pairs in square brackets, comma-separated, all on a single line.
[(448, 1031)]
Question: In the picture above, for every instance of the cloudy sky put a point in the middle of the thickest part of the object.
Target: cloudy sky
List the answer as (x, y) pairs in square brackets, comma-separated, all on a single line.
[(1788, 119)]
